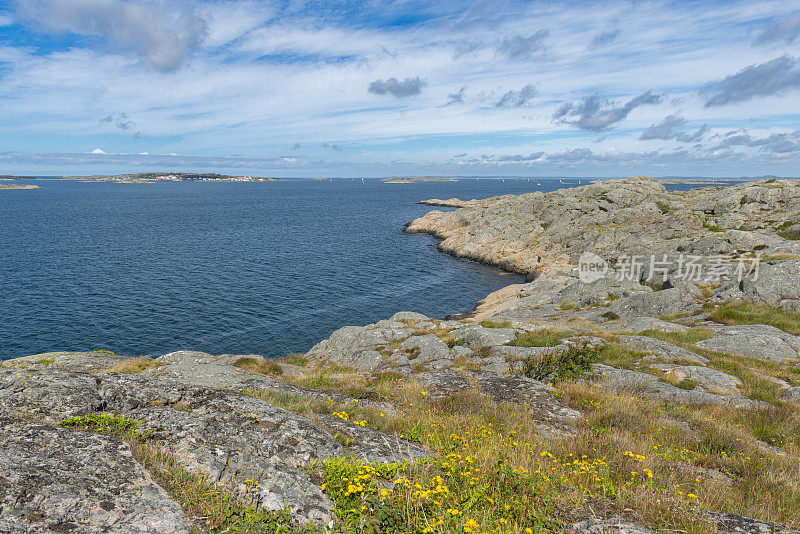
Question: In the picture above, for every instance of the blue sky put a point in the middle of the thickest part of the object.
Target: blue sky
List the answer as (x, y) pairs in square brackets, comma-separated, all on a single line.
[(379, 88)]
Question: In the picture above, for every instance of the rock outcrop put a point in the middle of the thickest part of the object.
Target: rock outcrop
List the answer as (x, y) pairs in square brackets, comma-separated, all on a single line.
[(560, 346)]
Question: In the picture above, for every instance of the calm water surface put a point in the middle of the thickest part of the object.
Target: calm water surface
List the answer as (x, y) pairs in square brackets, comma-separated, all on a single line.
[(263, 268)]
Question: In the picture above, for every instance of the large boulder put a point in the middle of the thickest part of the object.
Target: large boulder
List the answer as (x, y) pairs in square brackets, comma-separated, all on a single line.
[(662, 303), (356, 346)]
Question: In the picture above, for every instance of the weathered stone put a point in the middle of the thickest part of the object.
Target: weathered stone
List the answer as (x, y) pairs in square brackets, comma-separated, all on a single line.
[(429, 348), (762, 342), (640, 324), (478, 336), (658, 303), (62, 480), (663, 349), (791, 395), (745, 241), (710, 380), (356, 346), (613, 525), (642, 383)]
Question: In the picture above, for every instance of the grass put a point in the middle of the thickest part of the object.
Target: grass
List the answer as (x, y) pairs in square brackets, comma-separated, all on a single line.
[(663, 207), (45, 361), (295, 359), (107, 423), (740, 313), (789, 231), (679, 338), (540, 338), (134, 365), (268, 368), (495, 324), (491, 470), (568, 306)]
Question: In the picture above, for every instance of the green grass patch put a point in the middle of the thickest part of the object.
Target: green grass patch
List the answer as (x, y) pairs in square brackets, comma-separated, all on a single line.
[(268, 368), (495, 324), (295, 359), (680, 339), (540, 338), (567, 306), (45, 361), (789, 231), (686, 383), (107, 423), (663, 207), (749, 313)]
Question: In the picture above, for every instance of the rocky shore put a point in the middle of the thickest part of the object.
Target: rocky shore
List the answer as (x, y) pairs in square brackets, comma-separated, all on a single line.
[(597, 397)]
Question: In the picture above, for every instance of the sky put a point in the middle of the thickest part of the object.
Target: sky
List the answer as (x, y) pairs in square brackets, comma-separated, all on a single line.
[(382, 88)]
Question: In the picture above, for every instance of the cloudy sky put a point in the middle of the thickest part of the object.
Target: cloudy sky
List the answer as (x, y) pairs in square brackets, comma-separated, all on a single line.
[(375, 88)]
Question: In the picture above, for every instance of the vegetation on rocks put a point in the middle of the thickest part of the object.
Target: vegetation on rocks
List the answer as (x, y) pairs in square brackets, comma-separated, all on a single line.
[(750, 313)]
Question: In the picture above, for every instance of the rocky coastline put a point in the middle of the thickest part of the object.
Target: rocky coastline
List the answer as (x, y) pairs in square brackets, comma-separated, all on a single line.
[(596, 397)]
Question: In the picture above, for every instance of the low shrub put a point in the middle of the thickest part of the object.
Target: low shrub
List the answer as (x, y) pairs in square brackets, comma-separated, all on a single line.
[(557, 366)]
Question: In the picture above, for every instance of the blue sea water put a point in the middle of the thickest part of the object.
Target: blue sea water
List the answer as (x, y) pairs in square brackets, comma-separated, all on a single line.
[(267, 268)]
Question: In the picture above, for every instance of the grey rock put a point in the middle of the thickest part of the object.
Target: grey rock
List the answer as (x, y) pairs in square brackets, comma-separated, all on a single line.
[(373, 446), (736, 524), (658, 303), (661, 348), (640, 324), (612, 525), (478, 336), (63, 480), (459, 351), (410, 316), (356, 346), (743, 241), (762, 342), (430, 348), (791, 395), (709, 379), (554, 415), (648, 385), (776, 282)]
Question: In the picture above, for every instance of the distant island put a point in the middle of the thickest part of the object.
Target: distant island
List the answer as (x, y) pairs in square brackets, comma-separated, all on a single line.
[(415, 179), (18, 186), (146, 177)]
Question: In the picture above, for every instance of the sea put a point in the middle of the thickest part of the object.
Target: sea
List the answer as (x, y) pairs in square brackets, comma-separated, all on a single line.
[(265, 268)]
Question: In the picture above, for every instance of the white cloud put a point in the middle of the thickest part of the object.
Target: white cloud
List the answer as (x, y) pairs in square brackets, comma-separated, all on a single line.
[(165, 36)]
